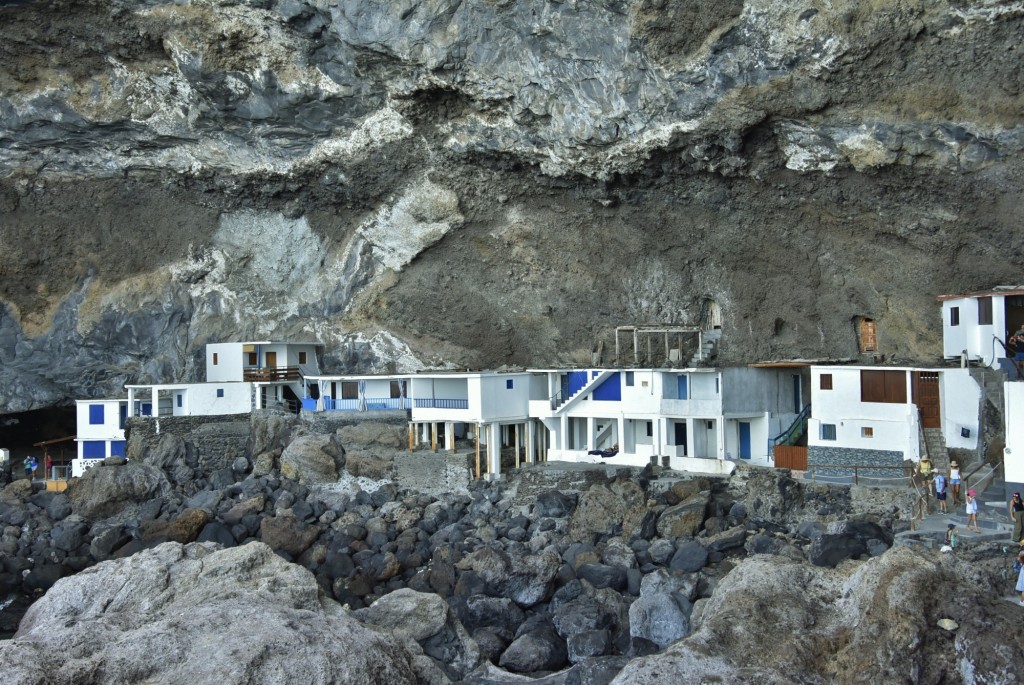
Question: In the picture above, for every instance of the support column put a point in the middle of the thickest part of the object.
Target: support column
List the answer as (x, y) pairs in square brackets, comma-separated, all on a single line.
[(591, 421), (156, 402), (691, 439), (433, 436), (449, 436), (494, 451), (531, 437), (666, 348), (412, 436), (477, 432), (618, 361), (620, 437), (636, 348), (720, 437), (515, 428), (131, 401), (564, 443)]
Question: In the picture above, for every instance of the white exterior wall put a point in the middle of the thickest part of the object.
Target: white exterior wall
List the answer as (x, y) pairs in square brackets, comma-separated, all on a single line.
[(199, 399), (108, 431), (976, 339), (498, 403), (960, 398), (895, 426), (1013, 415), (446, 388), (229, 362)]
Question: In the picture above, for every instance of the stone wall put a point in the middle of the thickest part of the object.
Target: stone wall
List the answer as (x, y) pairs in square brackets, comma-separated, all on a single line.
[(434, 473), (329, 421), (217, 440), (849, 456)]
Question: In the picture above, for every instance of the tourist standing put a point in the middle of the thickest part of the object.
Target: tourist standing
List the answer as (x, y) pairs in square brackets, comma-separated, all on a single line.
[(28, 467), (940, 491), (925, 469), (954, 481), (972, 511), (951, 538), (1017, 516), (1020, 576)]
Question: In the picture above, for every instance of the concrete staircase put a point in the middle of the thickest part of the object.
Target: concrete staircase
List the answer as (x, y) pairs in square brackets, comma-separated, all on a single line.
[(991, 381), (935, 444), (708, 348)]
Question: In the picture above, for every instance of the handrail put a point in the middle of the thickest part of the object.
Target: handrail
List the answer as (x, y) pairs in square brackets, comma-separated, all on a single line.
[(995, 339), (908, 470), (787, 434)]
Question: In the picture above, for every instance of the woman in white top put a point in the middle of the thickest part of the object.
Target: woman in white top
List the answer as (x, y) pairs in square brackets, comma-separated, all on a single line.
[(972, 511), (954, 480)]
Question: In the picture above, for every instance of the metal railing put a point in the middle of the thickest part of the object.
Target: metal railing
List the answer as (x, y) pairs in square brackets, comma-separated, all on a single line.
[(794, 431), (369, 404), (435, 403), (859, 472)]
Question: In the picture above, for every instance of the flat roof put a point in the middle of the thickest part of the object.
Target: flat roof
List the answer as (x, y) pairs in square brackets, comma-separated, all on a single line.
[(266, 342), (997, 290)]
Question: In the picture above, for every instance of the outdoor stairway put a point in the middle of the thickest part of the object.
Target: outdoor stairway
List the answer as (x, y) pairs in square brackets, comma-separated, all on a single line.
[(558, 402), (935, 444), (708, 347), (991, 380)]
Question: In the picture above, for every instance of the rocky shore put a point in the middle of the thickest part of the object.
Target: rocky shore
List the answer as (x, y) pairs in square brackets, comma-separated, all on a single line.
[(267, 572)]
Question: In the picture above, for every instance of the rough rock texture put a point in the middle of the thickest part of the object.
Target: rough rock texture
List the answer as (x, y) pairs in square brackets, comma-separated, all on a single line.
[(105, 491), (189, 614), (450, 182)]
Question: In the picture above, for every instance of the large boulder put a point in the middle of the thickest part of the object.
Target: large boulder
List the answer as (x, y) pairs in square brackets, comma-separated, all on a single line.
[(171, 453), (525, 579), (190, 615), (311, 459), (684, 519), (374, 434), (615, 509), (105, 491), (662, 613), (286, 533)]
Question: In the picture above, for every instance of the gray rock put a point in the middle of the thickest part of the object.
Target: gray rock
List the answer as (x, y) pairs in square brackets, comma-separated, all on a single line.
[(406, 613), (540, 649), (618, 553), (601, 576), (684, 519), (230, 616), (661, 551), (59, 507), (525, 579), (103, 492), (587, 644), (306, 460), (554, 504), (690, 556)]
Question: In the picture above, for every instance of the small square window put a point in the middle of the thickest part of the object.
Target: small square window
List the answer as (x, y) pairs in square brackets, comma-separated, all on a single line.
[(508, 384), (96, 414), (629, 378), (254, 358), (215, 359), (220, 392), (302, 357), (954, 316), (984, 311), (826, 381), (867, 432), (828, 431)]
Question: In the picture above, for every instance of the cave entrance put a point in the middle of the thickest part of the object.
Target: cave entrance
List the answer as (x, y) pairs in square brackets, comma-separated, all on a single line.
[(26, 433)]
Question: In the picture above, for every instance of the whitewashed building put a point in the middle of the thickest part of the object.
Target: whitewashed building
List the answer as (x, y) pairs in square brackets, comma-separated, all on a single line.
[(356, 393), (240, 377), (880, 416), (692, 419), (978, 325), (99, 432), (1013, 452), (491, 408)]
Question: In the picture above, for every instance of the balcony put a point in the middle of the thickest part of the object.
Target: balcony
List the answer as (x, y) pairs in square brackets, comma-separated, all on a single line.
[(437, 403), (272, 375), (370, 404)]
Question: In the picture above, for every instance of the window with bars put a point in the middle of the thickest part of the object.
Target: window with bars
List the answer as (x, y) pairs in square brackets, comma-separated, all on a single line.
[(828, 431)]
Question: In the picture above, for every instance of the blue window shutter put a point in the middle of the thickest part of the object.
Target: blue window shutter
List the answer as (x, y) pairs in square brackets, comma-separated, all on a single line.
[(220, 392), (179, 399), (96, 414), (117, 448), (508, 384), (94, 449)]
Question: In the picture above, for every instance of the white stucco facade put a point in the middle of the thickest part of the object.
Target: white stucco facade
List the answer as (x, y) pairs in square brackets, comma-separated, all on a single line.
[(228, 362), (1013, 452), (978, 325), (840, 418), (99, 432), (191, 399)]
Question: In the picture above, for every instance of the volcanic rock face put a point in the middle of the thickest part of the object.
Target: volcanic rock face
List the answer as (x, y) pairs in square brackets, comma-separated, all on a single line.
[(479, 183)]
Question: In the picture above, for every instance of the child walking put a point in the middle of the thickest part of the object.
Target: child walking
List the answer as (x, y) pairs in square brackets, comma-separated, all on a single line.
[(972, 511)]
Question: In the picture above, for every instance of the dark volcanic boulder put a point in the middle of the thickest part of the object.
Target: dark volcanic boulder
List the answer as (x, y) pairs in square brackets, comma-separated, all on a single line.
[(105, 491), (554, 504), (537, 650), (179, 614), (690, 556), (288, 534), (525, 579)]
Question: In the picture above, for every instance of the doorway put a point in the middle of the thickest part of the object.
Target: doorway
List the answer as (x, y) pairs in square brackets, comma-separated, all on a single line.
[(926, 397), (271, 360), (744, 428)]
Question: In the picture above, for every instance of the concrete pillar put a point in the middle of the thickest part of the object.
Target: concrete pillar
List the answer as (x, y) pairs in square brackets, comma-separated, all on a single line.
[(131, 402), (494, 451), (620, 436), (720, 437), (691, 439), (412, 436), (433, 436), (531, 437), (563, 442), (156, 401), (591, 422), (449, 436), (515, 427), (477, 434)]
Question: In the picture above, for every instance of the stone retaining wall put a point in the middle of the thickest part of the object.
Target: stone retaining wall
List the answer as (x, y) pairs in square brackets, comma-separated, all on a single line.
[(329, 421), (849, 456), (434, 473), (218, 440)]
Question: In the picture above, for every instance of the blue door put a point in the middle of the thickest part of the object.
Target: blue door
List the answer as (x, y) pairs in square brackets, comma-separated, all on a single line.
[(682, 388), (744, 440)]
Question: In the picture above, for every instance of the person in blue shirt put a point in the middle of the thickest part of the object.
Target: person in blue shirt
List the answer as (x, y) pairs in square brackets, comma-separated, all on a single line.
[(940, 491)]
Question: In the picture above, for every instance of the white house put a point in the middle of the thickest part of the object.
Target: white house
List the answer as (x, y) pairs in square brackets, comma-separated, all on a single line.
[(979, 324), (240, 377), (697, 419), (880, 416), (99, 432), (491, 407), (1013, 452)]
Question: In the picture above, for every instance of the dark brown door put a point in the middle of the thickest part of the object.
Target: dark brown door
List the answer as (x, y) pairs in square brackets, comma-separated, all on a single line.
[(926, 397), (271, 360)]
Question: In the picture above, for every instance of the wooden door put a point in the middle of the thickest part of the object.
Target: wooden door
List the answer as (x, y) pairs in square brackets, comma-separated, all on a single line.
[(271, 360), (868, 335), (926, 397)]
